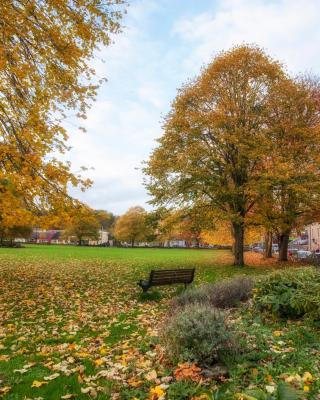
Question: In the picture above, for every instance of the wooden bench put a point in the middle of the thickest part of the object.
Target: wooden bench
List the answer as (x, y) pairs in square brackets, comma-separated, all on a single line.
[(167, 277)]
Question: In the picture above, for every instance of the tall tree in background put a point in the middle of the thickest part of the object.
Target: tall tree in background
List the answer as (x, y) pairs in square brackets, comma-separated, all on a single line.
[(185, 224), (212, 150), (132, 226), (45, 52), (291, 184), (106, 220), (84, 225)]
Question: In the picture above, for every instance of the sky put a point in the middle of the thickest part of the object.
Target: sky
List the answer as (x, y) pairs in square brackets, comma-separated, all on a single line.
[(163, 44)]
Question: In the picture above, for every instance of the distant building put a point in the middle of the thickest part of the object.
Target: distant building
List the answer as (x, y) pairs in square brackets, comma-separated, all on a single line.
[(103, 239), (313, 231), (56, 236), (53, 236), (175, 243)]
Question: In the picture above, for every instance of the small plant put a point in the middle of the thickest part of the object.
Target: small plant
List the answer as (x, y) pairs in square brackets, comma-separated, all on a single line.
[(182, 390), (197, 333), (282, 392), (290, 294), (225, 294)]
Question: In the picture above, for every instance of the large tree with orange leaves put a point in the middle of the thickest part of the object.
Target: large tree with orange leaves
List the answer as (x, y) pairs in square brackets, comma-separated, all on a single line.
[(46, 48), (211, 148), (227, 137)]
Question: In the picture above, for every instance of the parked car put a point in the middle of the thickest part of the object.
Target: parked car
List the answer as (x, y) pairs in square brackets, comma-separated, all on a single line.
[(303, 254), (293, 252), (258, 249)]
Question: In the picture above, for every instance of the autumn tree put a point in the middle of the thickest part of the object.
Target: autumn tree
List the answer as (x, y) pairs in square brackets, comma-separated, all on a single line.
[(46, 49), (214, 139), (291, 183), (15, 232), (84, 225), (185, 224), (221, 234), (106, 219), (131, 226)]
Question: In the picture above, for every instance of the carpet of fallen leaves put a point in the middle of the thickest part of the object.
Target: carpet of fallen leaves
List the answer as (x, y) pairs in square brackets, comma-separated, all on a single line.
[(80, 329), (256, 259), (75, 329)]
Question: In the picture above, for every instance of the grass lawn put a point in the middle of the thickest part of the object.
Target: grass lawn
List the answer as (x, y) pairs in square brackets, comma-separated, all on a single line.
[(74, 325)]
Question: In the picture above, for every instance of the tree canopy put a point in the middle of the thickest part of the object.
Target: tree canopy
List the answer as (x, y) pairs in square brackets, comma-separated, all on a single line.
[(132, 226), (225, 130), (84, 225), (46, 48)]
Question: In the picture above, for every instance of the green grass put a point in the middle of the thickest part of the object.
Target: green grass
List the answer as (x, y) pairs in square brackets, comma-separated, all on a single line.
[(78, 312), (210, 264)]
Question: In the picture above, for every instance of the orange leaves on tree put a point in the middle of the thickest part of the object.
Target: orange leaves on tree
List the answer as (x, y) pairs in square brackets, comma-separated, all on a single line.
[(44, 71)]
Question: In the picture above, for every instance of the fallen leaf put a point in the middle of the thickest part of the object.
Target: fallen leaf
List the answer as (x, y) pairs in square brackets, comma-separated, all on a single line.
[(38, 384), (156, 393), (188, 371), (151, 376), (5, 389), (51, 377)]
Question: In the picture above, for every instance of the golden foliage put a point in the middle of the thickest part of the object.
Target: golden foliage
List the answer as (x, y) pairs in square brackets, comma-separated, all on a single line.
[(83, 224), (45, 53), (131, 226), (240, 134), (222, 234)]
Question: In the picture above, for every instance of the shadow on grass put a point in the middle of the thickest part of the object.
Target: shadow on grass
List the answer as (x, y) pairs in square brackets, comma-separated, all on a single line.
[(150, 296)]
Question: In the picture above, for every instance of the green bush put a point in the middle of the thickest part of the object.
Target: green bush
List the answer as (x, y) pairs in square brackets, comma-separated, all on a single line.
[(291, 293), (225, 294), (282, 392), (197, 333)]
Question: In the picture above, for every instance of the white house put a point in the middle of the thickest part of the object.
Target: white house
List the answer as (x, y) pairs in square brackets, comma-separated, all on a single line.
[(103, 238)]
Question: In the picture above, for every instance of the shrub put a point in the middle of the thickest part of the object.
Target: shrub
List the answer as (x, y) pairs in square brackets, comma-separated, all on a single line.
[(225, 294), (290, 294), (198, 333), (283, 392)]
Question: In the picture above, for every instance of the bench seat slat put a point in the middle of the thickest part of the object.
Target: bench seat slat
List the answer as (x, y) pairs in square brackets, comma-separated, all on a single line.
[(155, 277), (171, 279)]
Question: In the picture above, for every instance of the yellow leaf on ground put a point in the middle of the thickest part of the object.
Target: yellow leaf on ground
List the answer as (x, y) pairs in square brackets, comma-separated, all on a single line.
[(156, 393), (98, 362), (134, 382), (307, 377), (38, 384), (5, 389)]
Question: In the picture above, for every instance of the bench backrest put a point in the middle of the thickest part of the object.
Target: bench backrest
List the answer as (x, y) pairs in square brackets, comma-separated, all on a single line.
[(167, 276)]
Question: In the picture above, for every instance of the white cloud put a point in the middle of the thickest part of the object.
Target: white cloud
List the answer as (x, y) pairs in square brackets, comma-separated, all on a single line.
[(287, 29)]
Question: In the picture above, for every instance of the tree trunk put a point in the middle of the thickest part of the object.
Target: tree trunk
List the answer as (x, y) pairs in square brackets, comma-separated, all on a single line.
[(238, 236), (268, 245), (132, 242), (283, 246)]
